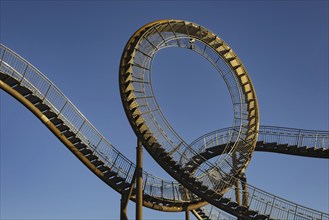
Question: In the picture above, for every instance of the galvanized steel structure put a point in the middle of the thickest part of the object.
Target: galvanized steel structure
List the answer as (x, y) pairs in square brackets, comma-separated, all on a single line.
[(200, 186)]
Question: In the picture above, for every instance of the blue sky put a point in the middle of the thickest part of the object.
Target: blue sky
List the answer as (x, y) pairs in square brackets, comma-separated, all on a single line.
[(78, 45)]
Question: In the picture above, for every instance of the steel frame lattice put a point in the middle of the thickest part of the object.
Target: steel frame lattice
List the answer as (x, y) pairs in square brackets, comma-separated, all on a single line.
[(199, 181)]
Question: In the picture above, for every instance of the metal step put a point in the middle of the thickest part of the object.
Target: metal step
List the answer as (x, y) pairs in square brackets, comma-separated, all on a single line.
[(103, 169), (209, 192), (224, 200), (196, 184), (91, 157), (191, 179), (97, 163), (11, 81), (56, 121), (203, 188), (80, 146), (124, 185), (160, 152), (251, 213), (293, 148), (271, 145), (68, 133), (232, 204), (62, 127), (176, 168), (167, 158), (86, 151), (302, 149), (241, 209), (282, 147), (33, 99), (117, 180), (74, 140), (110, 174), (22, 90), (49, 114), (42, 107), (261, 217), (311, 149), (3, 77)]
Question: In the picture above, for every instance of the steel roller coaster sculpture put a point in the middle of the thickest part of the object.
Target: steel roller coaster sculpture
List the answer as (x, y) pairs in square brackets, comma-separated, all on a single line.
[(210, 190)]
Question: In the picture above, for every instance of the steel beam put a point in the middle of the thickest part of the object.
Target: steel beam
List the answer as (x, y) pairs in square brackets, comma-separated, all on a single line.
[(125, 199), (187, 215), (139, 180)]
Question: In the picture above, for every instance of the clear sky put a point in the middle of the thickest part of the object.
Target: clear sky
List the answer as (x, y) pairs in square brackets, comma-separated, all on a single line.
[(78, 45)]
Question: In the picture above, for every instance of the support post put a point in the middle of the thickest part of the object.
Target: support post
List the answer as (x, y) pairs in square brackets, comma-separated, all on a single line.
[(244, 190), (187, 215), (236, 182), (237, 192), (125, 198), (123, 207), (139, 180)]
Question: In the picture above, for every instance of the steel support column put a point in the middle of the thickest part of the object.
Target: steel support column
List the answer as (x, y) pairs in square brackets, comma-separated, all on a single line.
[(236, 182), (237, 192), (139, 180), (123, 207), (125, 199), (244, 190), (187, 215)]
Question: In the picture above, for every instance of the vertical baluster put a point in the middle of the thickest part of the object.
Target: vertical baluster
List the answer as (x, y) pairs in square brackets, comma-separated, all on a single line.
[(145, 181), (295, 215), (173, 190), (298, 138), (211, 210), (24, 73), (98, 143), (44, 97), (115, 160), (316, 139), (272, 205), (60, 112), (81, 127), (161, 189), (216, 138), (252, 196)]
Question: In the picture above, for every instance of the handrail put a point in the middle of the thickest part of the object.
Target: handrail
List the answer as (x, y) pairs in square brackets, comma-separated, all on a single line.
[(154, 131), (258, 200), (30, 77), (268, 134)]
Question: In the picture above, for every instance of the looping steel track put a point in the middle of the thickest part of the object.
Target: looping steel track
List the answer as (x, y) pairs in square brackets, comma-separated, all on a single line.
[(199, 182)]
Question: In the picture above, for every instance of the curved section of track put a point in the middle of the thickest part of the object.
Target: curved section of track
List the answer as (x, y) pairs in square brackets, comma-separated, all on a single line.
[(145, 115), (30, 87), (212, 182), (282, 140), (299, 142), (25, 83)]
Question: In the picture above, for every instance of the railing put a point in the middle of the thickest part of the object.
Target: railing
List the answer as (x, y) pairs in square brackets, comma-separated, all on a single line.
[(258, 200), (216, 214), (267, 134), (170, 34), (273, 206), (30, 77)]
